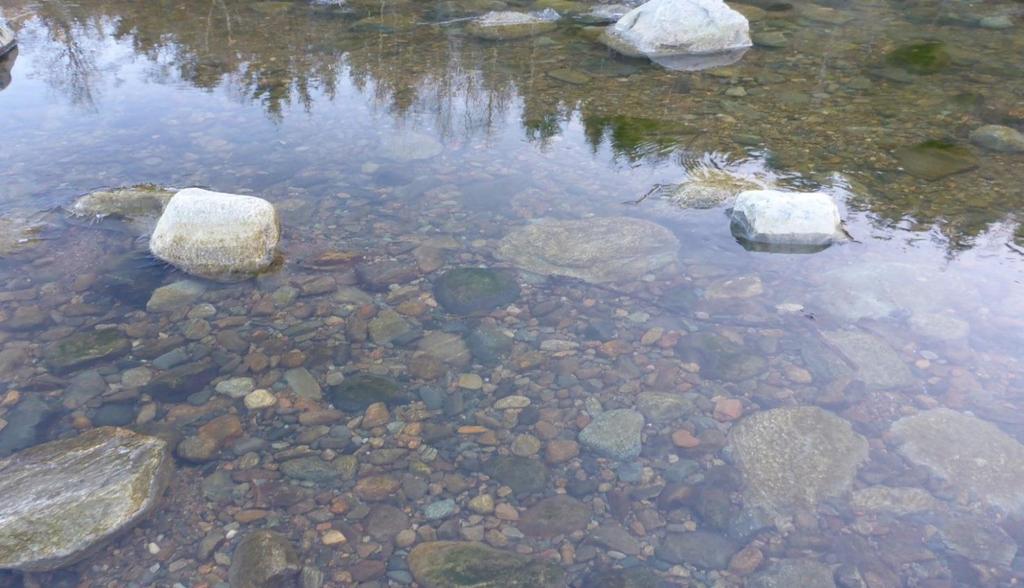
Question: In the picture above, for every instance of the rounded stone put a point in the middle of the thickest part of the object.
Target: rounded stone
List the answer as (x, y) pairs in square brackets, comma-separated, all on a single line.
[(472, 289), (615, 434), (258, 399)]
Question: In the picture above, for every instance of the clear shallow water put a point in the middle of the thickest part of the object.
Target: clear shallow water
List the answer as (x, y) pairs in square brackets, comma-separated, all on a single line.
[(377, 132)]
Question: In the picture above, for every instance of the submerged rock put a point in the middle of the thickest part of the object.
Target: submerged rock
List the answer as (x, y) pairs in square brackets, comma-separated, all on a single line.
[(406, 147), (475, 289), (362, 390), (932, 160), (85, 348), (62, 500), (920, 58), (977, 539), (557, 515), (263, 559), (788, 573), (215, 235), (682, 34), (139, 205), (708, 188), (795, 457), (972, 455), (877, 364), (615, 434), (508, 25), (521, 474), (699, 548), (597, 250), (998, 138), (786, 219), (454, 564), (899, 500)]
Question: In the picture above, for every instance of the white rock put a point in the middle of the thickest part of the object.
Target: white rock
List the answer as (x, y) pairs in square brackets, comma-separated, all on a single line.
[(801, 219), (682, 34), (215, 235)]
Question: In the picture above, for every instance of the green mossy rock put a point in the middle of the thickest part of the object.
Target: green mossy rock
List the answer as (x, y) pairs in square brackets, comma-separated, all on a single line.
[(472, 289), (82, 349), (932, 160), (920, 58), (453, 564)]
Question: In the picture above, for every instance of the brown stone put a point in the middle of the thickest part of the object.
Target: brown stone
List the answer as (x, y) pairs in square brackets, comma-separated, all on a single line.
[(377, 487), (746, 560), (684, 439), (561, 450), (376, 415), (728, 409)]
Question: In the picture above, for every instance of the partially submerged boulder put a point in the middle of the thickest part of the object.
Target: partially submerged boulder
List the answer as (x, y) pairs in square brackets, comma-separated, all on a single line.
[(61, 501), (786, 220), (7, 39), (682, 34), (508, 25), (219, 236)]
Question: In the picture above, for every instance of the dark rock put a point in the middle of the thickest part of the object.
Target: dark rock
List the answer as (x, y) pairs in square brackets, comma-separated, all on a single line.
[(521, 474), (26, 423), (488, 344), (381, 274), (176, 384), (361, 390), (85, 348), (920, 58), (933, 160), (114, 414), (470, 290)]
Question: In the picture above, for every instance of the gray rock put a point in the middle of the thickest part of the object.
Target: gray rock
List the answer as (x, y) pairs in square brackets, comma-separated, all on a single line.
[(699, 548), (557, 515), (661, 407), (7, 39), (25, 425), (521, 474), (998, 138), (788, 573), (976, 539), (62, 500), (898, 501), (972, 455), (389, 327), (447, 347), (786, 219), (604, 249), (795, 457), (507, 25), (386, 521), (174, 296), (614, 434), (314, 469), (877, 364), (303, 383), (488, 343), (464, 564), (362, 390), (219, 236), (614, 536), (682, 34), (440, 509), (263, 559)]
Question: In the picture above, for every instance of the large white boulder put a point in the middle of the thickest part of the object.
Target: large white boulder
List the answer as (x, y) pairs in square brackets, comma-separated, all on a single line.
[(787, 219), (215, 235), (682, 34)]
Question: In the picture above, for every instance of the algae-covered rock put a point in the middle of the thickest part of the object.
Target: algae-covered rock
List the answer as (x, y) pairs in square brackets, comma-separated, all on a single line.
[(920, 58), (474, 289), (362, 390), (60, 501), (795, 457), (454, 564), (84, 348), (141, 205)]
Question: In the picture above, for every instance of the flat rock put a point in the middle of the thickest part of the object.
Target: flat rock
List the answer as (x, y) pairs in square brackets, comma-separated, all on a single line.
[(523, 475), (508, 25), (975, 538), (140, 205), (215, 235), (894, 500), (597, 250), (710, 188), (303, 384), (62, 500), (795, 457), (557, 515), (263, 559), (786, 219), (174, 296), (877, 364), (972, 455), (475, 289), (447, 347), (454, 564), (700, 548), (7, 39), (361, 390), (933, 160), (788, 573), (85, 348), (315, 469), (614, 434), (660, 407)]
